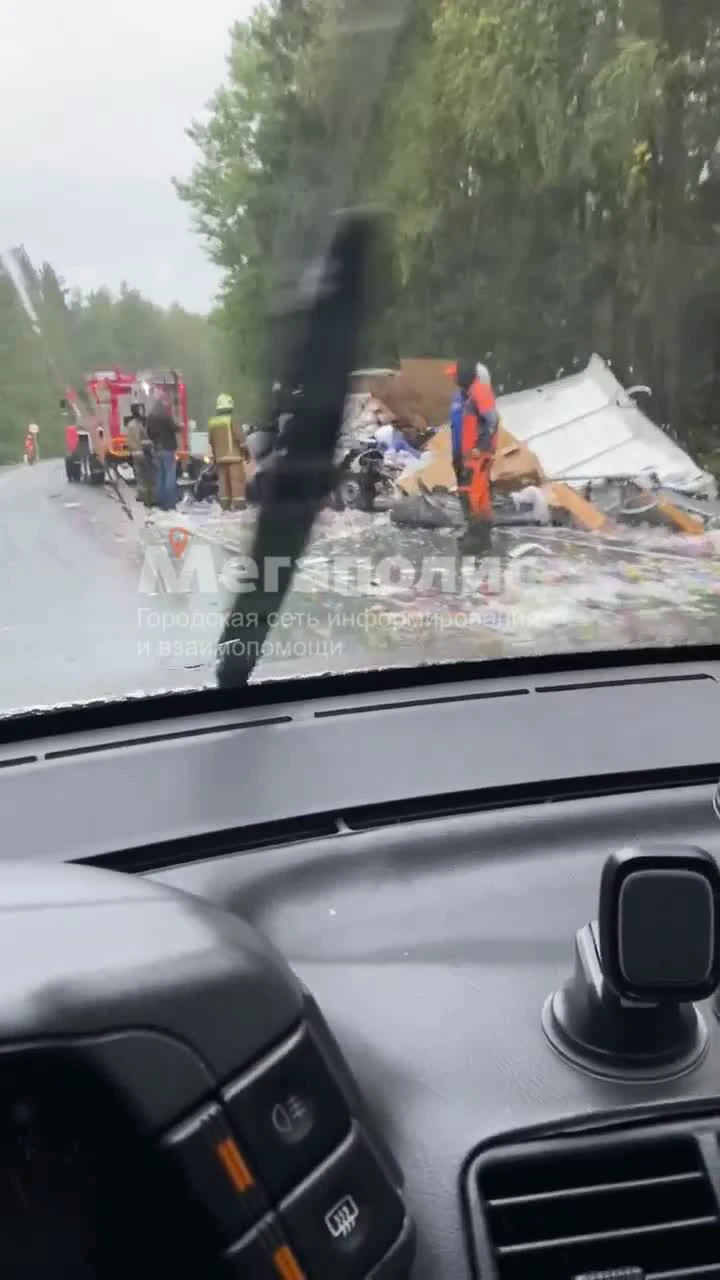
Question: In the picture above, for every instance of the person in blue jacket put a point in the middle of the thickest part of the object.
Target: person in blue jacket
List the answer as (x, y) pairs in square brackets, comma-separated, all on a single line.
[(474, 423)]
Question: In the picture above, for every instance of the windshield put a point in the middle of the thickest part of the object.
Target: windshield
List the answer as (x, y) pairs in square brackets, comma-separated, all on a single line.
[(526, 451)]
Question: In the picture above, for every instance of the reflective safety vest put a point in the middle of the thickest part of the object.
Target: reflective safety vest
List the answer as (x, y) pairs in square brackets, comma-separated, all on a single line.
[(224, 445), (135, 435), (478, 440), (480, 420)]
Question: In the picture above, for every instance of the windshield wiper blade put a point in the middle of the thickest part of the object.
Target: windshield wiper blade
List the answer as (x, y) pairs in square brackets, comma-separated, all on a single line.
[(318, 326), (321, 318)]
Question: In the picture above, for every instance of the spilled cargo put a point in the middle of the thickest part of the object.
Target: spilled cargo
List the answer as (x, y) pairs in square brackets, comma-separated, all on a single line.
[(619, 548)]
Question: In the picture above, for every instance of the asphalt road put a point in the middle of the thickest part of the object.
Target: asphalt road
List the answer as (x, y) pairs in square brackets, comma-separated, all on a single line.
[(82, 617), (71, 629)]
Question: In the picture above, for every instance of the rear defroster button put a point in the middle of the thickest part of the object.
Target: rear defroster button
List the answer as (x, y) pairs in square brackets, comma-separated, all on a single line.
[(289, 1113), (346, 1217)]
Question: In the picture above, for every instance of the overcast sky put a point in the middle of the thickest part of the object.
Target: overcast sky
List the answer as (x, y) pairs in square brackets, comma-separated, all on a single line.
[(95, 99)]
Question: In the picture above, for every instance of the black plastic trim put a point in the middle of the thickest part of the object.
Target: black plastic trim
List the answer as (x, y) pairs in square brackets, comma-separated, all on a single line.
[(291, 831), (439, 700), (218, 844), (202, 731), (581, 788), (233, 772), (42, 722), (623, 683)]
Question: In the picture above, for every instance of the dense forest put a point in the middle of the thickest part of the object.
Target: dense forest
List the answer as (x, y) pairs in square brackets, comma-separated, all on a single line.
[(51, 336), (551, 169)]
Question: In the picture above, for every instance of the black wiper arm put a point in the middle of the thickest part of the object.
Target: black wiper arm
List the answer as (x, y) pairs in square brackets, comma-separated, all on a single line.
[(319, 326)]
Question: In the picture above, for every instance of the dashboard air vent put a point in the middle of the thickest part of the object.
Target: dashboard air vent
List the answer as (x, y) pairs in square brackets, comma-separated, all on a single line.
[(644, 1209)]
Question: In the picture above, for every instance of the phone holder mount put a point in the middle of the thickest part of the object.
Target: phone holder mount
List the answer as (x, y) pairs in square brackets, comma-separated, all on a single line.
[(628, 1010)]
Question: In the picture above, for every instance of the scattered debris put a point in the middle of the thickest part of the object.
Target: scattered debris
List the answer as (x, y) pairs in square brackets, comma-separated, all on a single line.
[(626, 561), (527, 549)]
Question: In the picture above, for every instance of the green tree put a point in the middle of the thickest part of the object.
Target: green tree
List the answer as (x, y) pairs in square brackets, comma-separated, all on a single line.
[(27, 390), (551, 170), (248, 182)]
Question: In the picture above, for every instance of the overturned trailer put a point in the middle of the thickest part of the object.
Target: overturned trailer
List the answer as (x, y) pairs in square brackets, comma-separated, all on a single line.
[(590, 432), (576, 451), (588, 427)]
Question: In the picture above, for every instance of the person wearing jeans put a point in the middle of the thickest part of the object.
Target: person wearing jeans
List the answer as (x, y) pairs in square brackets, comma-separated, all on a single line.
[(166, 478), (162, 431)]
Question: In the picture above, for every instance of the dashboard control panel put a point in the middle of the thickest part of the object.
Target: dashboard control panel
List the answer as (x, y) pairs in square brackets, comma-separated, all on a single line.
[(286, 1176), (290, 1111), (259, 1142)]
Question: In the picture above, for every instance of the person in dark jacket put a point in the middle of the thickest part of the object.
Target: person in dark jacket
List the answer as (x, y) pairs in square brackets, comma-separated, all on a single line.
[(162, 431)]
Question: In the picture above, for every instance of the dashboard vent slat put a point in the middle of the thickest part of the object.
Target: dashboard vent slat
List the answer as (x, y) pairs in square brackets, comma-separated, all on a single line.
[(597, 1189), (572, 1210)]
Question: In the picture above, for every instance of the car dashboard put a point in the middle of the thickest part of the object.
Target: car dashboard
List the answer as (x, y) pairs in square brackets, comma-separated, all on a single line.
[(273, 981)]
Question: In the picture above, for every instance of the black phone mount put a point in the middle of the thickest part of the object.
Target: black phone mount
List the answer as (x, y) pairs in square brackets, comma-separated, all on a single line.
[(628, 1010)]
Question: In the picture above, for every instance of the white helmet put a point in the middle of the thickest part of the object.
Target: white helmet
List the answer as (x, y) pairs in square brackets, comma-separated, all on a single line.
[(34, 429), (482, 373)]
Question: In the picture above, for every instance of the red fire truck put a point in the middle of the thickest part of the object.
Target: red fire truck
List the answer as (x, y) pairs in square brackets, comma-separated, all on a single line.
[(96, 439)]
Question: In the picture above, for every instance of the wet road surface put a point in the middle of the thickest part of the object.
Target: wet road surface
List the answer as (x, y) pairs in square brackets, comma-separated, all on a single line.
[(70, 568), (86, 614)]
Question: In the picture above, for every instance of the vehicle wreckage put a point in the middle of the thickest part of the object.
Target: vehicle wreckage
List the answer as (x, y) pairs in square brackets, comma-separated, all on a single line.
[(575, 452)]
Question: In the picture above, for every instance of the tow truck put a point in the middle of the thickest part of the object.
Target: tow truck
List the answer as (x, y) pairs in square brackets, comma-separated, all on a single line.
[(96, 440)]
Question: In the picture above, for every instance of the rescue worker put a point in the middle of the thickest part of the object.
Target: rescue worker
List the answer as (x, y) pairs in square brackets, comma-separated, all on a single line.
[(140, 451), (30, 446), (162, 431), (474, 424), (230, 454)]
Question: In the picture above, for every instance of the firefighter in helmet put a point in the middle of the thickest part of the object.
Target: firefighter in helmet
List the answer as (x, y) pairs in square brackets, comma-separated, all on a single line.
[(230, 453), (140, 450)]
